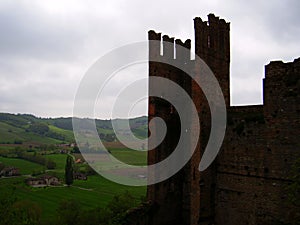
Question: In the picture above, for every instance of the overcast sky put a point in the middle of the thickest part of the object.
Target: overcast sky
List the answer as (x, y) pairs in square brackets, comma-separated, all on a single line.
[(47, 46)]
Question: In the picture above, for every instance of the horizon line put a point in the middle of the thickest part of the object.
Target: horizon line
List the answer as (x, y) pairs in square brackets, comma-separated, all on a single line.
[(65, 117)]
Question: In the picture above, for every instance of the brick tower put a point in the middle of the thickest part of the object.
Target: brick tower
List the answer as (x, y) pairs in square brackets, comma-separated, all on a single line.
[(178, 198)]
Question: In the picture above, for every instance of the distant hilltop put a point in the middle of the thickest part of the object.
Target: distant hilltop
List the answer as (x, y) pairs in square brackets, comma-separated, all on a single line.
[(26, 128)]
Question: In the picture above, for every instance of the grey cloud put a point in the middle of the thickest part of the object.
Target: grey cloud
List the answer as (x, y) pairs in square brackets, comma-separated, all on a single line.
[(27, 33), (44, 54)]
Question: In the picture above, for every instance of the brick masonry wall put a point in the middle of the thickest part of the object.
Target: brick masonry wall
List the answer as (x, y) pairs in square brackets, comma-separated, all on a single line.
[(247, 182), (170, 197)]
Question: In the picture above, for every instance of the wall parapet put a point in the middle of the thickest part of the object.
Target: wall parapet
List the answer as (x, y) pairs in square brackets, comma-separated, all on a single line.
[(166, 47)]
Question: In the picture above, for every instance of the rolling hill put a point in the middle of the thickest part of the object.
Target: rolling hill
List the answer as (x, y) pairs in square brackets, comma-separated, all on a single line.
[(25, 128)]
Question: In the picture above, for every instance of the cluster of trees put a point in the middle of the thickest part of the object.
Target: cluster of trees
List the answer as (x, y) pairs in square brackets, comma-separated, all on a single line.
[(18, 212), (21, 153), (44, 147), (107, 137), (2, 166), (36, 158), (69, 212), (44, 130), (63, 123), (49, 164), (14, 120), (16, 142), (38, 128), (54, 135)]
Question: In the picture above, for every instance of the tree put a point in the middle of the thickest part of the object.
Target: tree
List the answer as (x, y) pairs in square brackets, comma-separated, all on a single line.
[(25, 212), (39, 128), (7, 199), (69, 169), (69, 212), (14, 212), (119, 205), (76, 149)]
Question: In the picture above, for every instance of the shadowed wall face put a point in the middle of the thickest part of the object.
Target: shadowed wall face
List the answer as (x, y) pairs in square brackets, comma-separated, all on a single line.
[(247, 182), (179, 196), (167, 195)]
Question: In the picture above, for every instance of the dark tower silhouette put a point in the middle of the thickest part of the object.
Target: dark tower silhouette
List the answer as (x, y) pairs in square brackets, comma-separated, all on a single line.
[(247, 182)]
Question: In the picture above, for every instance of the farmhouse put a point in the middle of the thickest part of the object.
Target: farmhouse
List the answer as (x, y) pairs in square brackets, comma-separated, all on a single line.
[(42, 181), (80, 176), (9, 172)]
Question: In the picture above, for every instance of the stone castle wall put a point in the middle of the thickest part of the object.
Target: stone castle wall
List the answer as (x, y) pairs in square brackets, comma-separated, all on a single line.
[(247, 182)]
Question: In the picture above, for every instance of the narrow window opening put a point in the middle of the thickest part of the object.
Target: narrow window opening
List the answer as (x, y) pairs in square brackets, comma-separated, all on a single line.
[(161, 47)]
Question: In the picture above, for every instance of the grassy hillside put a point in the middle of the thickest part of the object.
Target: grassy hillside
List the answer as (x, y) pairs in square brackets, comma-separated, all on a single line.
[(26, 135), (96, 191), (25, 167), (24, 128), (11, 134)]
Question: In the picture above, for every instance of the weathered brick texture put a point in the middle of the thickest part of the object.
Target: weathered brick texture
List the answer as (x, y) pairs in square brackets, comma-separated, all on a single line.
[(247, 182)]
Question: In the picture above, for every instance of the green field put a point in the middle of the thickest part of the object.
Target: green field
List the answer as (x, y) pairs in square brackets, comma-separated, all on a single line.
[(69, 136), (7, 147), (25, 167), (131, 157), (30, 129), (59, 159), (96, 191), (11, 134), (33, 135)]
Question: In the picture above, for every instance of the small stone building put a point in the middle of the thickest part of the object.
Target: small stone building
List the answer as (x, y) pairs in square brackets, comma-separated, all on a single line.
[(42, 181), (9, 172), (80, 176)]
